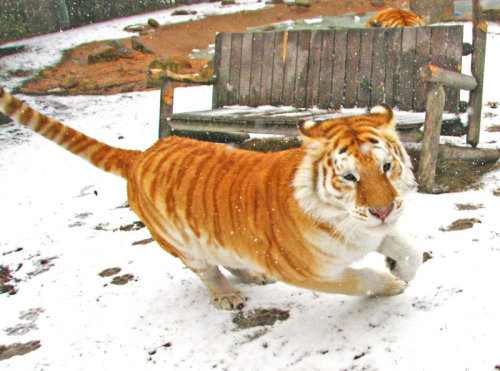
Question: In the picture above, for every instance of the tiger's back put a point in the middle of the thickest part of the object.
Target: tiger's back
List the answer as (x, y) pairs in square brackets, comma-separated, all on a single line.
[(395, 18)]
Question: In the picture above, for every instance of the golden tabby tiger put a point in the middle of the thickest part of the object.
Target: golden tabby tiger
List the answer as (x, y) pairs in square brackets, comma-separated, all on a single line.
[(395, 18), (301, 216)]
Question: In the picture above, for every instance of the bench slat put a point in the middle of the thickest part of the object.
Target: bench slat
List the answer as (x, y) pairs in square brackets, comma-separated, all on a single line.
[(268, 51), (393, 66), (339, 67), (378, 69), (408, 57), (235, 68), (352, 67), (243, 93), (313, 70), (365, 68), (290, 68), (423, 57), (453, 57), (304, 43), (325, 69)]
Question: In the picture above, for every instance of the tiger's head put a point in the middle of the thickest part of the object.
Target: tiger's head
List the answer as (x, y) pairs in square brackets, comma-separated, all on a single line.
[(354, 169)]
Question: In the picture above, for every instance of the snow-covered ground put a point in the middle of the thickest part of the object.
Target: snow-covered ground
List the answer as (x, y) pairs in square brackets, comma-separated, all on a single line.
[(60, 222)]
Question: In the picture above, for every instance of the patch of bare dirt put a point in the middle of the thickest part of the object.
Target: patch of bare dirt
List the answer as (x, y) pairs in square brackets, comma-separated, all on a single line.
[(461, 224), (18, 349), (74, 75), (260, 317), (122, 280), (110, 272), (5, 278)]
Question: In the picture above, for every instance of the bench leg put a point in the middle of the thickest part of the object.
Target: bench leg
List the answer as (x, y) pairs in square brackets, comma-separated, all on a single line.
[(430, 142)]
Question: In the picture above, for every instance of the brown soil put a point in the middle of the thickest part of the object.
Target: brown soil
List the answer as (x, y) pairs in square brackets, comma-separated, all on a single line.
[(73, 75)]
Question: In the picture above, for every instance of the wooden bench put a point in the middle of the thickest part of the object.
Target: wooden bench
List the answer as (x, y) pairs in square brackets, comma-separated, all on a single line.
[(267, 82), (315, 73)]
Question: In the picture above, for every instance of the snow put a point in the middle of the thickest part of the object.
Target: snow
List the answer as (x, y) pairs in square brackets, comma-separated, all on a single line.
[(66, 214)]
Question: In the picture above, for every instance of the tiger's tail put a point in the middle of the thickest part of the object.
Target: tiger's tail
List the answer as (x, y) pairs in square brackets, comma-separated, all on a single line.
[(110, 159)]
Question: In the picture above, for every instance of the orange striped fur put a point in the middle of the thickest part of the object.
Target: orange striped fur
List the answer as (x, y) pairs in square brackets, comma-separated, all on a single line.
[(301, 216), (395, 18)]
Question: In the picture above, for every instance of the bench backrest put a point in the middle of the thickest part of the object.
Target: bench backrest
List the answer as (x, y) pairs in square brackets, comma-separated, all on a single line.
[(334, 68)]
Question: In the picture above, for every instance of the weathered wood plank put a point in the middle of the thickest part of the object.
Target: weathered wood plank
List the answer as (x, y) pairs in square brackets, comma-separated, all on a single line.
[(378, 68), (352, 67), (423, 57), (314, 66), (339, 69), (267, 68), (221, 69), (438, 45), (279, 54), (453, 79), (290, 68), (408, 43), (326, 68), (245, 69), (304, 42), (393, 66), (256, 69), (453, 62), (365, 68), (476, 95), (430, 141), (235, 68)]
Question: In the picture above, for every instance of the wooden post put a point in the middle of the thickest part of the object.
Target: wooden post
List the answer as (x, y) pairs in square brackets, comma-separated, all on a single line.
[(166, 107), (479, 33), (430, 142)]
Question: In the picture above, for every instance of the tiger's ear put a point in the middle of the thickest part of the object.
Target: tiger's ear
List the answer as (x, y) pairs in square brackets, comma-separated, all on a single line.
[(312, 133), (386, 114)]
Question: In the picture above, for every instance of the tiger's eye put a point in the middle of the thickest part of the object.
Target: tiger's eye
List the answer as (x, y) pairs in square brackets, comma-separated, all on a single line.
[(386, 167), (350, 177)]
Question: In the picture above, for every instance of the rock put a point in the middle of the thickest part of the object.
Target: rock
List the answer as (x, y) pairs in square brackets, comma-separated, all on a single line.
[(180, 12), (137, 28), (153, 23), (117, 44), (104, 53), (303, 3), (68, 83), (140, 47), (228, 2)]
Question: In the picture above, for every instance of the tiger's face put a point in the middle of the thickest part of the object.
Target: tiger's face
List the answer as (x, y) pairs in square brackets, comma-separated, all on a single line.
[(354, 169)]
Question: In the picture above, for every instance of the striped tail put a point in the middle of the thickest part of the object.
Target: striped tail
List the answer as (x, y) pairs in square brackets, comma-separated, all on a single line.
[(110, 159)]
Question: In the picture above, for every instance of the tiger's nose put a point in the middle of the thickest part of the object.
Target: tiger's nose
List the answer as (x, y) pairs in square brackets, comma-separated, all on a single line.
[(381, 213)]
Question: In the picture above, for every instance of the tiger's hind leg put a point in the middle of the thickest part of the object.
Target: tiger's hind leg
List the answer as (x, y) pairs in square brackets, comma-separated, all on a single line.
[(247, 276), (222, 294)]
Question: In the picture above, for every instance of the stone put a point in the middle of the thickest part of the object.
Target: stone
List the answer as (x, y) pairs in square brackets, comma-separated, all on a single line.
[(153, 23), (140, 47)]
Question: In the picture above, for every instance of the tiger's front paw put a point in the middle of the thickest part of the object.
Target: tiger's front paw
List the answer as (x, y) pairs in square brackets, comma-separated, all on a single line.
[(406, 268), (388, 286), (229, 300)]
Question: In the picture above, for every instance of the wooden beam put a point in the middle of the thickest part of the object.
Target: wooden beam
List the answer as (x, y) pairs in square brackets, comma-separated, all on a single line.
[(195, 78), (479, 33), (453, 79), (480, 155), (430, 142)]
